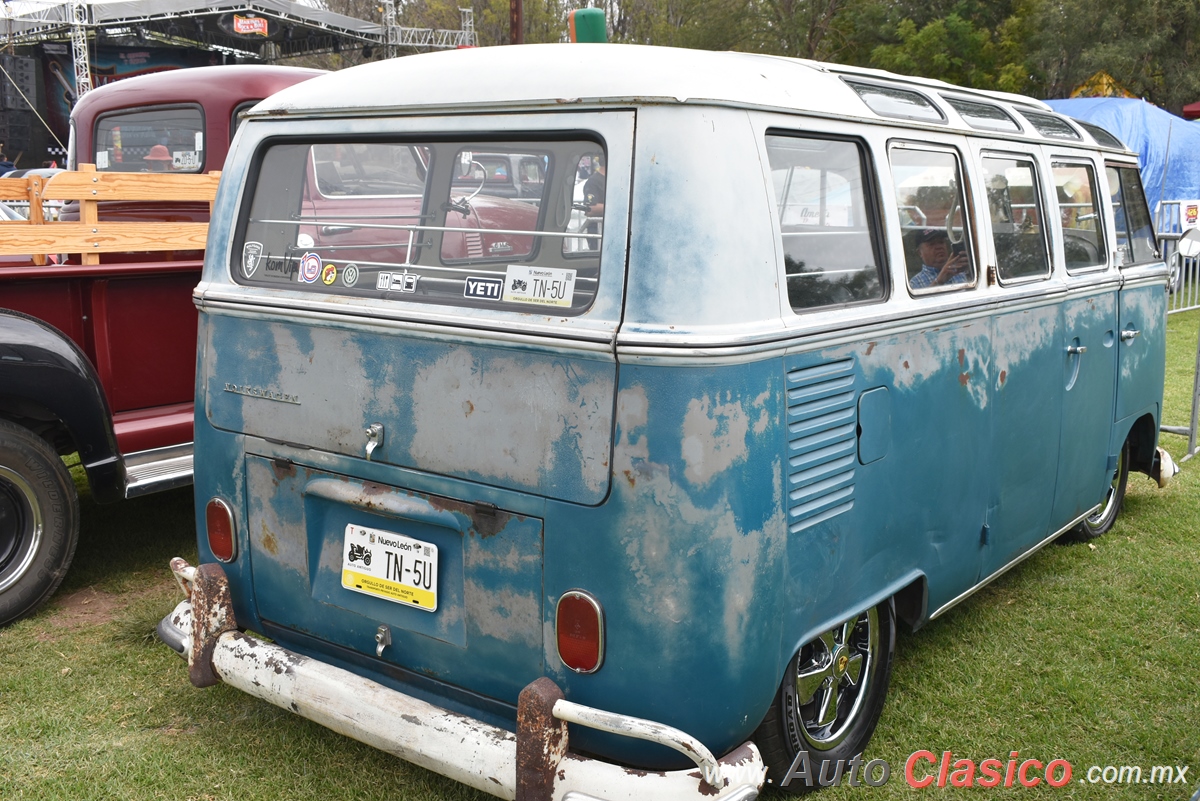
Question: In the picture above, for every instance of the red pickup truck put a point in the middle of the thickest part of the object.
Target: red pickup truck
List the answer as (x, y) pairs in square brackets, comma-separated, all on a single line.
[(99, 358)]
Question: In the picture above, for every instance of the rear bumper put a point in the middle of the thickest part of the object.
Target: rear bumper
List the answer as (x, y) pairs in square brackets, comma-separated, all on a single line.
[(535, 764)]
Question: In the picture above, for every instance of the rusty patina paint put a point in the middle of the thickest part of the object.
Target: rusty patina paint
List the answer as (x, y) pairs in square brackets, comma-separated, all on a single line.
[(541, 740), (213, 616)]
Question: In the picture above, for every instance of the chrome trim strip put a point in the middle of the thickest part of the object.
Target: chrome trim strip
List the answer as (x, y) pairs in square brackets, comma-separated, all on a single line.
[(458, 332), (158, 470), (963, 596)]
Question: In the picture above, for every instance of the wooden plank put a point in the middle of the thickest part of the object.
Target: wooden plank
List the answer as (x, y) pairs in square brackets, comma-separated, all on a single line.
[(13, 189), (158, 186), (19, 238)]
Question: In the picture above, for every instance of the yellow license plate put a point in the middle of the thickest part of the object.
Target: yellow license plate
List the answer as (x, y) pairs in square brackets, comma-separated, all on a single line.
[(390, 566)]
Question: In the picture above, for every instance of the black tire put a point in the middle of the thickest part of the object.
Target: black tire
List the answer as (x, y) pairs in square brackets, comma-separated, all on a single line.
[(823, 671), (1095, 525), (39, 521)]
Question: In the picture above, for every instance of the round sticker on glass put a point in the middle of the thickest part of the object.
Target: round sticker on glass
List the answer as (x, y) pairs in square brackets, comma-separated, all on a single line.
[(310, 268), (350, 274)]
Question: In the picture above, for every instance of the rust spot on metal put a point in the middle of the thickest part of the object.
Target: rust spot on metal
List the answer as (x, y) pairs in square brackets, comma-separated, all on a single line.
[(629, 477), (269, 543), (636, 772), (283, 468), (870, 348), (541, 740), (486, 519), (704, 788), (906, 364), (468, 408), (964, 378), (962, 356), (371, 488), (1003, 376)]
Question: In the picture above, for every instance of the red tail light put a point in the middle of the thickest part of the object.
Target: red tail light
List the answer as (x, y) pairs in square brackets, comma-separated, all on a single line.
[(218, 518), (579, 629)]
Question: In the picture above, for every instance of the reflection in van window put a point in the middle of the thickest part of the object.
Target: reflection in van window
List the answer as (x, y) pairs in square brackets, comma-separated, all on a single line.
[(1135, 233), (155, 140), (1048, 125), (463, 223), (929, 197), (888, 101), (1015, 206), (984, 116), (829, 242), (1078, 218)]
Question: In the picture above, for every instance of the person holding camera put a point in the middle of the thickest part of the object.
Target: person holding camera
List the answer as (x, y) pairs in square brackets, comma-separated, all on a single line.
[(940, 265)]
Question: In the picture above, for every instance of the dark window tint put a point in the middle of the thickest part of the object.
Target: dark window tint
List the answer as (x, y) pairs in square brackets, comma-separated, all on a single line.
[(1053, 127), (830, 244), (888, 101), (490, 224), (1101, 136), (1018, 224), (984, 116), (929, 197), (1078, 216), (153, 140), (1135, 232)]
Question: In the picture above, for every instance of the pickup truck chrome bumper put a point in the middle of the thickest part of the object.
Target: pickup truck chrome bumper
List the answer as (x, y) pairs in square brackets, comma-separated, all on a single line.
[(532, 765)]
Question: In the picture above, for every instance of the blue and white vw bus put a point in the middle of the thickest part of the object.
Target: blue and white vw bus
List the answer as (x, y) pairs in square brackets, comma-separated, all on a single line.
[(765, 357)]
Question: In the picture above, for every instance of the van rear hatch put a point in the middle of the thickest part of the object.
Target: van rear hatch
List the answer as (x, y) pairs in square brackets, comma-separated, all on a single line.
[(414, 360)]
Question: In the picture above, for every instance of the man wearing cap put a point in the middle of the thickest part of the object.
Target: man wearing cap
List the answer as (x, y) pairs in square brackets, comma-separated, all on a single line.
[(939, 266)]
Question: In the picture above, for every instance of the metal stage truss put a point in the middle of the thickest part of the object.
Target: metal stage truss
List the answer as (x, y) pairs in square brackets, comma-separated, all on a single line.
[(264, 30)]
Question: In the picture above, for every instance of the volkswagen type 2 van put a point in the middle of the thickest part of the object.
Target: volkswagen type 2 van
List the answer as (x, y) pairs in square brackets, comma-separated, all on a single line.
[(821, 350)]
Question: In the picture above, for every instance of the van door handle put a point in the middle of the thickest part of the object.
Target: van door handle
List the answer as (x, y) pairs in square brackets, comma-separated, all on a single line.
[(1075, 350), (1129, 334)]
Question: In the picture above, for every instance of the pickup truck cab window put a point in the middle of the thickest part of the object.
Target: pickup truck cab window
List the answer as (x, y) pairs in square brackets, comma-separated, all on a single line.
[(166, 139), (830, 242)]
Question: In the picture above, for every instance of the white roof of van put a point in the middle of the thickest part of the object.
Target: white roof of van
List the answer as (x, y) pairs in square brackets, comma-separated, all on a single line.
[(563, 74)]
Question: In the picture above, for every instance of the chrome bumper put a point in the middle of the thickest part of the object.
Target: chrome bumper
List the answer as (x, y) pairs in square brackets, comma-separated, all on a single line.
[(532, 765)]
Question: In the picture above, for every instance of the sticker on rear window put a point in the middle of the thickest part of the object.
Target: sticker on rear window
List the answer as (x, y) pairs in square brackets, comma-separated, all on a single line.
[(544, 286)]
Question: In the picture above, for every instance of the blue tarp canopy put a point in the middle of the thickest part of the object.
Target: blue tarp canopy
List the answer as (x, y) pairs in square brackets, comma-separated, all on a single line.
[(1172, 174)]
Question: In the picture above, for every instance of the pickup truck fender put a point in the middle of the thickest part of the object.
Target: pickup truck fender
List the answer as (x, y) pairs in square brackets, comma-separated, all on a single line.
[(44, 377)]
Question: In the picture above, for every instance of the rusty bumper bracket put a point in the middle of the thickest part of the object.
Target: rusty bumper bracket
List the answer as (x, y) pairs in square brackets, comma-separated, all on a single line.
[(207, 588)]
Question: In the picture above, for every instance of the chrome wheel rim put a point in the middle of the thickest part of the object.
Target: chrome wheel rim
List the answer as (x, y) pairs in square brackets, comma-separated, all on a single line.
[(1110, 498), (832, 680), (20, 527)]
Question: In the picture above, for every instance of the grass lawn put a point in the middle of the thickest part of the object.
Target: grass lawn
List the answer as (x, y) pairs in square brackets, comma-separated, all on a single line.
[(1089, 653)]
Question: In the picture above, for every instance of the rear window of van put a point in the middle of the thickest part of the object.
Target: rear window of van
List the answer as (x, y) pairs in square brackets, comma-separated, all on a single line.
[(510, 225)]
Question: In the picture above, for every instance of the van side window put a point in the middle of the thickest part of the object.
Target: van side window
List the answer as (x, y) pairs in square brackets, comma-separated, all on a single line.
[(1135, 233), (929, 196), (1078, 218), (830, 240), (1015, 206), (487, 224)]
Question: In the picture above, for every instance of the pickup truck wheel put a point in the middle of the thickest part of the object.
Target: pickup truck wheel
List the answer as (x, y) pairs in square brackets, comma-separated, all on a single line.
[(39, 521), (828, 704)]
